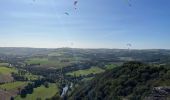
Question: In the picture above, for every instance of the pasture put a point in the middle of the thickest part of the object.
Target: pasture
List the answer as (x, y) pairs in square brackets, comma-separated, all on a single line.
[(41, 92), (93, 70)]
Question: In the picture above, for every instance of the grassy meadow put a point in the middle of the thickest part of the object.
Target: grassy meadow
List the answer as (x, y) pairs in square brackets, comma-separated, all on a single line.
[(41, 92)]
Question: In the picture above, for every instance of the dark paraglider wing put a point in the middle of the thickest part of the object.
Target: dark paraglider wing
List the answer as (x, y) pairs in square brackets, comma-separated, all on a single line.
[(129, 3), (75, 3), (66, 13), (129, 44)]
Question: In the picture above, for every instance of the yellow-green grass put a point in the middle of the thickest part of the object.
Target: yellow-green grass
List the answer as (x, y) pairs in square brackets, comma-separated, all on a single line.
[(110, 66), (6, 70), (46, 62), (55, 54), (41, 92), (13, 85), (37, 60), (5, 74), (93, 70), (87, 79)]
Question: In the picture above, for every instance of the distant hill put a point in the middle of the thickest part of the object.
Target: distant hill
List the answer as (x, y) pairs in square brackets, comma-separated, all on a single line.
[(131, 81), (23, 51)]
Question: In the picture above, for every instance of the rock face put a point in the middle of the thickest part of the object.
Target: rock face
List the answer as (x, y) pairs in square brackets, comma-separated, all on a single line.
[(159, 93)]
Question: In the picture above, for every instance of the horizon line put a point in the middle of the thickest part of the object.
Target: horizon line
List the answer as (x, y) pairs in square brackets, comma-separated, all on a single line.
[(84, 48)]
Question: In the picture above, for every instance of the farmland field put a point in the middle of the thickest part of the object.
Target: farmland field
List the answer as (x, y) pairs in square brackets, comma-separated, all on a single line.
[(5, 74), (41, 92), (4, 64), (110, 66), (6, 70), (93, 70), (52, 61), (13, 85)]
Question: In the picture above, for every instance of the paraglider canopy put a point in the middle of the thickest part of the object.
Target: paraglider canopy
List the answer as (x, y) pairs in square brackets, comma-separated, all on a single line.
[(129, 3), (66, 13), (129, 45), (75, 4)]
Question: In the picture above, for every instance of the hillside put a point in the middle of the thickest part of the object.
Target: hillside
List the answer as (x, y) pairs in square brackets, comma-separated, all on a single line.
[(86, 73), (131, 81)]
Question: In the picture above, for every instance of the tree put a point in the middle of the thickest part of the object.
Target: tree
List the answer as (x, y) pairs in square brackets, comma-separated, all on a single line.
[(46, 84)]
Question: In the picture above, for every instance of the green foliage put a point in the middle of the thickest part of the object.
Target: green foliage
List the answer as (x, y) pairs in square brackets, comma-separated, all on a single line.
[(133, 81)]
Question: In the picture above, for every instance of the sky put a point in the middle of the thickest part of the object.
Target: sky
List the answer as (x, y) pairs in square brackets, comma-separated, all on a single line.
[(94, 24)]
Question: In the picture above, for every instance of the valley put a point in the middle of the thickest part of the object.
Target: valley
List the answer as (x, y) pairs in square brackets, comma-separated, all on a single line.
[(53, 74)]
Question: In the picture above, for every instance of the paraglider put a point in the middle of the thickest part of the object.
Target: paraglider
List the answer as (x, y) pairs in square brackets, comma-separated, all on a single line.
[(129, 45), (128, 1), (75, 7), (75, 4), (66, 13)]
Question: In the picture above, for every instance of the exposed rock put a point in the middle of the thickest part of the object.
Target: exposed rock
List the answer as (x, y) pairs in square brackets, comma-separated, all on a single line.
[(159, 93)]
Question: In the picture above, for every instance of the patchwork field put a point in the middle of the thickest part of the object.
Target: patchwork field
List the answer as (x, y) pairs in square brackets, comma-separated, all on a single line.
[(56, 62)]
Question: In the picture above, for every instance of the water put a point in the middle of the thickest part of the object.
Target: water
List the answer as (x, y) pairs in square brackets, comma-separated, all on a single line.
[(65, 89)]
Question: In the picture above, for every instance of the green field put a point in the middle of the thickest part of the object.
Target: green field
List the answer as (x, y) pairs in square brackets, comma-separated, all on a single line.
[(4, 64), (32, 77), (13, 85), (110, 66), (93, 70), (37, 61), (51, 62), (6, 70), (41, 92), (87, 79)]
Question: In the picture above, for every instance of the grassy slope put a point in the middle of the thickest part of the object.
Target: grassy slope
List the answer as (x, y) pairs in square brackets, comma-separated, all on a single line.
[(6, 70), (5, 74), (13, 85), (37, 61), (93, 70), (110, 66), (49, 63), (41, 92)]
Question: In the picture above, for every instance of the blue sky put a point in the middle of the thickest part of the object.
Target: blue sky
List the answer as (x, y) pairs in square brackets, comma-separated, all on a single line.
[(95, 24)]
